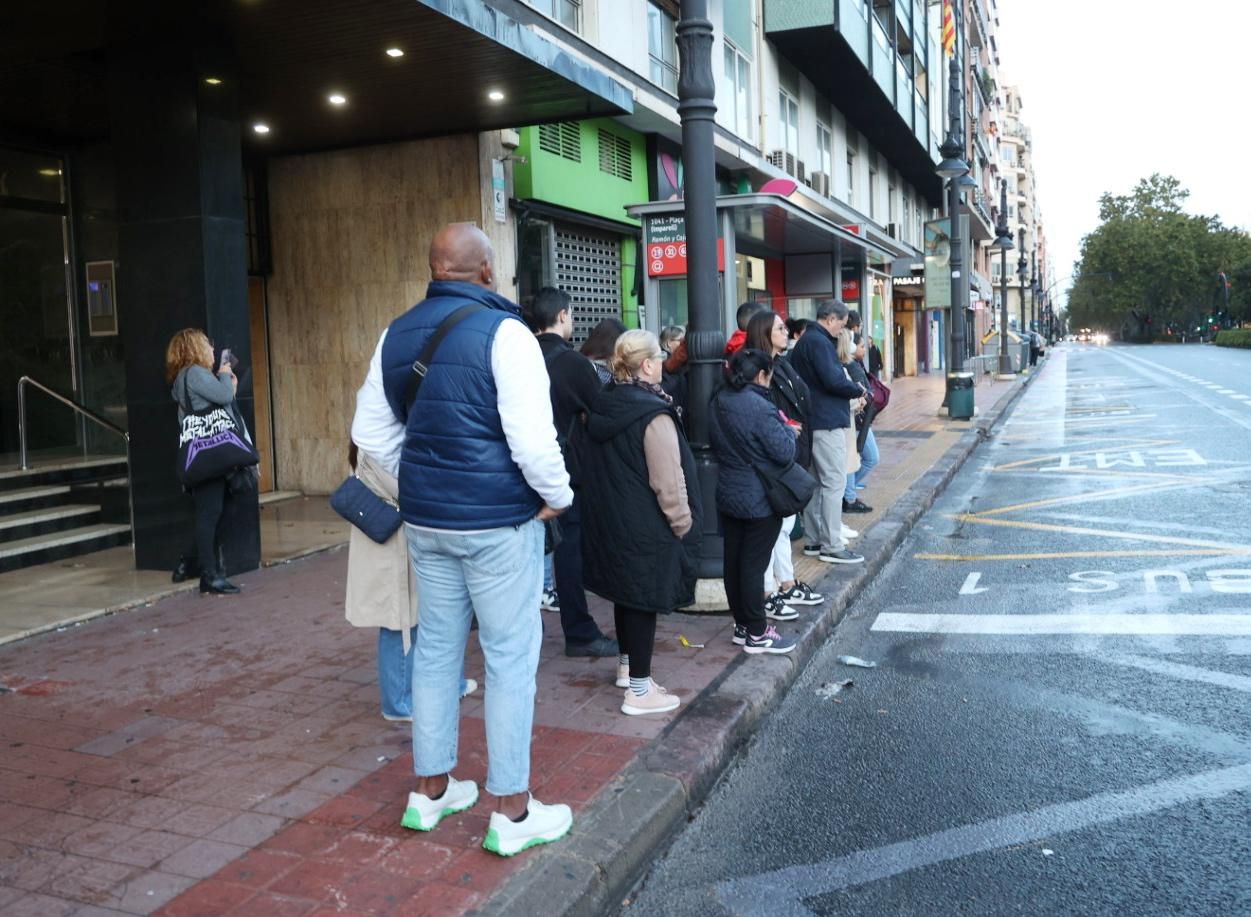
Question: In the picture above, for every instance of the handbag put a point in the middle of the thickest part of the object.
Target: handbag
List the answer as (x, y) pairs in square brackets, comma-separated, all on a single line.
[(376, 516), (879, 394), (788, 489), (212, 444)]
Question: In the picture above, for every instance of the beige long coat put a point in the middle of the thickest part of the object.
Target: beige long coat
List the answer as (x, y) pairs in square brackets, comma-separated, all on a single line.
[(381, 584)]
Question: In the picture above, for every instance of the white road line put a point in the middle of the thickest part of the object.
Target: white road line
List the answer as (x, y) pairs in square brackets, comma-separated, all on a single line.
[(781, 892), (1224, 391), (1103, 624), (1177, 670)]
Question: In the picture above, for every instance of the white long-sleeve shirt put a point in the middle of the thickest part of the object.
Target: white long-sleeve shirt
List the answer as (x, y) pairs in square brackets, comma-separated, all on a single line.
[(521, 384)]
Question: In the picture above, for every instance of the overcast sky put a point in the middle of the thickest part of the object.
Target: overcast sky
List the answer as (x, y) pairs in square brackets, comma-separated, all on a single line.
[(1114, 90)]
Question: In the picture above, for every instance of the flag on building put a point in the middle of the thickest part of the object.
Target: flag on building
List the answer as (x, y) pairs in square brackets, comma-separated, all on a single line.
[(949, 29)]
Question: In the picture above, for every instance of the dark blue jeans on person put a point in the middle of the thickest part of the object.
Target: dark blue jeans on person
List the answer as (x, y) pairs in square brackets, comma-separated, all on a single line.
[(575, 618)]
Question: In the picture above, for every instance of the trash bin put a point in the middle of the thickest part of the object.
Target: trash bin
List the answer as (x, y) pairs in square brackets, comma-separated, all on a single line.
[(960, 396), (1025, 354)]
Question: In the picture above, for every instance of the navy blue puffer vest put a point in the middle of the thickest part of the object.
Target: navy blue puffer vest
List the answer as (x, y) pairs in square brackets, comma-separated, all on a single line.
[(456, 471)]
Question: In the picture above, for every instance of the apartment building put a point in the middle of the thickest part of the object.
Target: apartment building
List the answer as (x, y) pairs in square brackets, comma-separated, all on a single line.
[(1024, 219)]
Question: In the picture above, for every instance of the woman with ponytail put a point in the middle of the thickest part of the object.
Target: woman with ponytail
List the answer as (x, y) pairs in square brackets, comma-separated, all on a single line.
[(748, 432), (641, 524)]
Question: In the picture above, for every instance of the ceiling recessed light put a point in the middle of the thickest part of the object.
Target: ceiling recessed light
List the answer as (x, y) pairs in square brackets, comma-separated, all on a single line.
[(260, 128), (495, 95), (336, 98), (212, 80), (49, 173), (394, 52)]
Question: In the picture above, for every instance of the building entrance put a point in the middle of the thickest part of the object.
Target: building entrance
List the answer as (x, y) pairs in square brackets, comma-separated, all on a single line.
[(35, 302)]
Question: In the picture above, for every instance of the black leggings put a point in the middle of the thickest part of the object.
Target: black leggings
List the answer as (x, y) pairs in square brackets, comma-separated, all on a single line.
[(636, 635), (210, 500), (748, 550)]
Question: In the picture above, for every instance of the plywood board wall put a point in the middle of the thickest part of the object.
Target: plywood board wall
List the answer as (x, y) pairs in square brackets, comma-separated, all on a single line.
[(351, 230)]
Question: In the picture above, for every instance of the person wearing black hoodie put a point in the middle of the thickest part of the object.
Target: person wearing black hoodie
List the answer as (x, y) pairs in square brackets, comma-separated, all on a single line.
[(641, 529), (574, 386)]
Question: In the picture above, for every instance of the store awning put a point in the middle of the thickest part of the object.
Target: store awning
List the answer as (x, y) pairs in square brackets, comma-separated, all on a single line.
[(771, 226)]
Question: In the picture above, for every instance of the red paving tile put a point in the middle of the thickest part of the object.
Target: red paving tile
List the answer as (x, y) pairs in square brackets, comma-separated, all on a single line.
[(178, 758)]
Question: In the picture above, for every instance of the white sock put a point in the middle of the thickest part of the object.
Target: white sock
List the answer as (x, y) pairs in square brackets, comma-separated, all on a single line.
[(639, 685), (623, 659)]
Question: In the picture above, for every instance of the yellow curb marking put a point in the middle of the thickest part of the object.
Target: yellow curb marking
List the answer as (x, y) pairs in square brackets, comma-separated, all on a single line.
[(1104, 533)]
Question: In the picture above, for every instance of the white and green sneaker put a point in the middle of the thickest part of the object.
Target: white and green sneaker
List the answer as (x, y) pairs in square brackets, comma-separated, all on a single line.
[(424, 813), (542, 825)]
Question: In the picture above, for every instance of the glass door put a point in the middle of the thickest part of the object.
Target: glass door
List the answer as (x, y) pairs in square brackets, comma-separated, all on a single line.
[(36, 328)]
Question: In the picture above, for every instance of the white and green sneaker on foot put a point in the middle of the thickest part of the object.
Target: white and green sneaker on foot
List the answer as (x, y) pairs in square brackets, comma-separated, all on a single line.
[(542, 825), (424, 813)]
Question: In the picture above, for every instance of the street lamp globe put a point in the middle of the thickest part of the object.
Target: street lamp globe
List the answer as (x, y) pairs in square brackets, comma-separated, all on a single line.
[(952, 165)]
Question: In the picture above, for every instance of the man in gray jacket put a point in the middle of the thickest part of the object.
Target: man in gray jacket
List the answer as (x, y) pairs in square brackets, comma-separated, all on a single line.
[(815, 358)]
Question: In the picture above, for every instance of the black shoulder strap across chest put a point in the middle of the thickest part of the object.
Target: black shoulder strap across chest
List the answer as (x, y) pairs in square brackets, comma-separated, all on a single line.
[(422, 364)]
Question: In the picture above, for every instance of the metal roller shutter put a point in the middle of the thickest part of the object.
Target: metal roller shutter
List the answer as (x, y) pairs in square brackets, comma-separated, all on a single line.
[(588, 268)]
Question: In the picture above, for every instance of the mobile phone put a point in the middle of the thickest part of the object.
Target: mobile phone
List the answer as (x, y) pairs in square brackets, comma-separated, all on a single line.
[(228, 358)]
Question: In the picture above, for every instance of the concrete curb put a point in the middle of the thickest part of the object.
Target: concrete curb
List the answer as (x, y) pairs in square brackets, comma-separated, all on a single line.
[(634, 818)]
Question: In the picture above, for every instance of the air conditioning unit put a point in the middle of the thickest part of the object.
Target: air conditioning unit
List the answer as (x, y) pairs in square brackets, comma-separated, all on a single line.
[(820, 183), (784, 160), (892, 230)]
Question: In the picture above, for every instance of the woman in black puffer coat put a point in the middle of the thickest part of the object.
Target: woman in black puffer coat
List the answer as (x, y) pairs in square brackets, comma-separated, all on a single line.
[(747, 433)]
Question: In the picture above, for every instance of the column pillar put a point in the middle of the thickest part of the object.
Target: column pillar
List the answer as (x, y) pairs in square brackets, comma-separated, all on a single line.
[(182, 255)]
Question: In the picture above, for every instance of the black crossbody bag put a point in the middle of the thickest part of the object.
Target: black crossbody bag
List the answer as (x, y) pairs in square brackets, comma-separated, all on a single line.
[(787, 489), (376, 516)]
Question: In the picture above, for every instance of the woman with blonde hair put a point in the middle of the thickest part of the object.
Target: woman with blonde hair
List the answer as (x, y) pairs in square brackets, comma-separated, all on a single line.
[(641, 526), (193, 385)]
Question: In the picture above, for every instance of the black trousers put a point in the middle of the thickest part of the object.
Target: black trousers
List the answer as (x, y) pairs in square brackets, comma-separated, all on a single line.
[(575, 617), (636, 635), (748, 550), (210, 499)]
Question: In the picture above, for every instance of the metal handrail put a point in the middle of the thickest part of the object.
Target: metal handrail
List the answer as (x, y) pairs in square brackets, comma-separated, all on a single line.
[(68, 402)]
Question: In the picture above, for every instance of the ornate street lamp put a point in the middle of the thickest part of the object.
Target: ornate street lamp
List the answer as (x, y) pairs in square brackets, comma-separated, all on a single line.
[(1022, 266), (1003, 245), (954, 170)]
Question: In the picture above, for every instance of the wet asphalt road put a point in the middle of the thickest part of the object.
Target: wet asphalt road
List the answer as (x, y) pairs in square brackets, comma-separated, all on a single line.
[(1060, 718)]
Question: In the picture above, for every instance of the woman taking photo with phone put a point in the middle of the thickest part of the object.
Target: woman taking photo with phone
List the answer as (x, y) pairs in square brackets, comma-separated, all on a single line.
[(189, 373)]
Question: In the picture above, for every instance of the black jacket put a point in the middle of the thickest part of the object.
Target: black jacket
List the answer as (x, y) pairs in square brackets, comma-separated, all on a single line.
[(790, 393), (815, 358), (630, 555), (574, 386), (747, 433)]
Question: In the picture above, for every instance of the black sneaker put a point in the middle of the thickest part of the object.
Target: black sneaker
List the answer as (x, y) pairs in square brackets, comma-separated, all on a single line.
[(812, 550), (549, 601), (802, 594), (740, 635), (768, 642), (859, 506), (777, 609), (600, 646), (841, 557)]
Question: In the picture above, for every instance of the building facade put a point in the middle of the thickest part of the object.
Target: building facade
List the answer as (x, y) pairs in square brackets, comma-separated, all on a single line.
[(274, 172)]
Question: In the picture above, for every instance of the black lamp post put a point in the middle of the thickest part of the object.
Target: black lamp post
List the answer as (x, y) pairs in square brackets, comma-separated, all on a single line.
[(705, 339), (1002, 245), (952, 169), (1021, 266), (1033, 288)]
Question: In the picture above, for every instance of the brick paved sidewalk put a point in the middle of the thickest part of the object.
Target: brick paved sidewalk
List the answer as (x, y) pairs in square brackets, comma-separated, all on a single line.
[(226, 755)]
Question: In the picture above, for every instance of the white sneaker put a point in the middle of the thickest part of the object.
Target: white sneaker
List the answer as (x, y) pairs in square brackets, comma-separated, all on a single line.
[(623, 675), (424, 813), (849, 533), (471, 685), (656, 700), (541, 825)]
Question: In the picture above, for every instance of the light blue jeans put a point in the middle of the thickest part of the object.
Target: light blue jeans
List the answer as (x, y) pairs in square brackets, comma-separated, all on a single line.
[(498, 577), (868, 461), (395, 673)]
